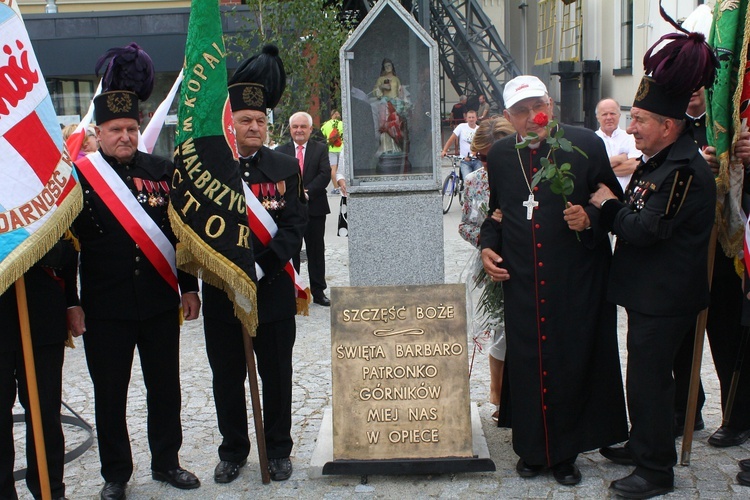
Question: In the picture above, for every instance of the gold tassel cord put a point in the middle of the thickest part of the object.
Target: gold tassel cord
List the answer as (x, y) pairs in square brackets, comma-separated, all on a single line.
[(36, 246), (199, 259)]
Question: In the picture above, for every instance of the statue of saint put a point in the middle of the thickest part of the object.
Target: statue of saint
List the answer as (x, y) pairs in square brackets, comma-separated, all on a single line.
[(391, 110)]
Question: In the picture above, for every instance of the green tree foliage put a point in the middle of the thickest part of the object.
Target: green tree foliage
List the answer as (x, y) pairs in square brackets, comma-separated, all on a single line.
[(309, 34)]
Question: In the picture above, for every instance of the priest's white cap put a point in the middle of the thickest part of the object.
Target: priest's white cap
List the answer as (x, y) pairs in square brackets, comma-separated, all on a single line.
[(522, 87)]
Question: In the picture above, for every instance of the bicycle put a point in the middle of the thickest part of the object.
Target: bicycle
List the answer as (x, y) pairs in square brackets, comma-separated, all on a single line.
[(453, 183)]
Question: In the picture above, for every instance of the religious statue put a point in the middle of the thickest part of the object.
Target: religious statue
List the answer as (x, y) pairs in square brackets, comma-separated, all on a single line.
[(391, 112)]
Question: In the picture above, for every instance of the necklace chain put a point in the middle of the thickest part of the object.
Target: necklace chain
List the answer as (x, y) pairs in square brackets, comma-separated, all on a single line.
[(523, 170)]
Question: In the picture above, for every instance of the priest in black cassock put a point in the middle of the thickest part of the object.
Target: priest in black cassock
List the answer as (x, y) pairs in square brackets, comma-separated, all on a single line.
[(562, 362)]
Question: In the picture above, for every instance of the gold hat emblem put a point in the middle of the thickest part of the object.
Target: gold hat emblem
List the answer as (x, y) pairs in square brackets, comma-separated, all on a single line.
[(119, 102), (643, 90), (252, 95)]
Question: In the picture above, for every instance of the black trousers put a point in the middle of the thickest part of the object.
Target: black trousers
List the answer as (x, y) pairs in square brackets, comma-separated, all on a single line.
[(110, 346), (273, 346), (316, 253), (49, 362), (724, 332), (652, 345)]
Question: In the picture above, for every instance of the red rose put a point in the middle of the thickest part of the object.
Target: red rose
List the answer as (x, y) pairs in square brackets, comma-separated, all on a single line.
[(541, 119)]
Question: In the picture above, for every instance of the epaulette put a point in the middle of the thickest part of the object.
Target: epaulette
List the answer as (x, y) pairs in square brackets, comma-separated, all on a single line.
[(683, 177)]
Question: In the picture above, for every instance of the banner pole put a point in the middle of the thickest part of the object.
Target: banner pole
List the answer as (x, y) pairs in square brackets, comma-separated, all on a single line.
[(260, 435), (695, 372), (31, 384)]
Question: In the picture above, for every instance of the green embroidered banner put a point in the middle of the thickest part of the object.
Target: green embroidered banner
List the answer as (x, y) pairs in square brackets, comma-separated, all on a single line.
[(729, 38), (208, 210)]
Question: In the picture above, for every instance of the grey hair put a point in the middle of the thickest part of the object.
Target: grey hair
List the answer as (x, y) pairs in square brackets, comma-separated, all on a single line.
[(301, 113)]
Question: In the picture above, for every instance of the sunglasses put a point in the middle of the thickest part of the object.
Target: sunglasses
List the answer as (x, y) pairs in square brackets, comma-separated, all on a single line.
[(481, 157)]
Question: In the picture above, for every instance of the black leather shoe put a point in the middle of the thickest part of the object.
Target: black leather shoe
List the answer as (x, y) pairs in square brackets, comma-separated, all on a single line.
[(321, 299), (633, 486), (745, 465), (113, 490), (566, 474), (280, 468), (179, 478), (617, 454), (679, 425), (526, 470), (725, 437), (743, 478), (227, 471)]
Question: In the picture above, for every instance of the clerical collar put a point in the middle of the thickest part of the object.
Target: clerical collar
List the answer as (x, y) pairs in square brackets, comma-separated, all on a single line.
[(531, 145)]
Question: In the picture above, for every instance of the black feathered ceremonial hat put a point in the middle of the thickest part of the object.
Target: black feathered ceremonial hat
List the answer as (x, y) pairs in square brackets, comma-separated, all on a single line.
[(684, 64), (259, 81), (128, 78)]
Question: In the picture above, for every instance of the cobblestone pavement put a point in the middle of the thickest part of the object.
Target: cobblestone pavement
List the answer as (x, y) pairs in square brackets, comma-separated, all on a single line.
[(710, 475)]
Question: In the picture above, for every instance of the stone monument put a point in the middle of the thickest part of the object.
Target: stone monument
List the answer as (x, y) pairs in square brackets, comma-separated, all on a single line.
[(399, 359), (391, 115)]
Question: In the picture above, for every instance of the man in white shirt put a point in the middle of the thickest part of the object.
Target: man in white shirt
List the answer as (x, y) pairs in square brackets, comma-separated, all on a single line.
[(463, 134), (623, 155)]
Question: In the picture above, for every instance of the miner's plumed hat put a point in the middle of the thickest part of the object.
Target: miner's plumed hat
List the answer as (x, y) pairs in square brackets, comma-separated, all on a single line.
[(128, 78), (259, 81), (676, 66)]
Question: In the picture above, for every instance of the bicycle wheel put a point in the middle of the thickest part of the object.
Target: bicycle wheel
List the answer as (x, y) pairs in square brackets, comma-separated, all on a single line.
[(449, 190)]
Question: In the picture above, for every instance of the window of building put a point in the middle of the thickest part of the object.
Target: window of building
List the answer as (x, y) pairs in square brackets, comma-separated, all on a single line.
[(545, 38), (571, 31), (626, 38), (70, 98)]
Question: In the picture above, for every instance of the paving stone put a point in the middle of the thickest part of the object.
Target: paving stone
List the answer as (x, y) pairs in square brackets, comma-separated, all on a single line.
[(710, 475)]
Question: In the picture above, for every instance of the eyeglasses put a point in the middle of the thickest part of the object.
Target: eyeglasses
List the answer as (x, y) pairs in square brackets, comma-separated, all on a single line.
[(523, 113)]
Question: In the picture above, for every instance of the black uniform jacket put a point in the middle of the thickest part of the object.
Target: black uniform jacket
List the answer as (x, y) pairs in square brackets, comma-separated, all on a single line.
[(660, 262), (276, 295), (315, 176), (50, 290), (117, 280), (697, 129)]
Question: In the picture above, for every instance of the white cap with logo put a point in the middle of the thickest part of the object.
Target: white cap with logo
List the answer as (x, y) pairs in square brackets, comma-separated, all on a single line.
[(522, 87)]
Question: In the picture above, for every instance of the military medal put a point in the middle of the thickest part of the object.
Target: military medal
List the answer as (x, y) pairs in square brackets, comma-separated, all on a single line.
[(152, 199), (162, 199), (268, 191), (141, 196)]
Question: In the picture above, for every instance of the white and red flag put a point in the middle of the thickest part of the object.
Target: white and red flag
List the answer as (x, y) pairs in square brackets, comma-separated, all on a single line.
[(39, 191)]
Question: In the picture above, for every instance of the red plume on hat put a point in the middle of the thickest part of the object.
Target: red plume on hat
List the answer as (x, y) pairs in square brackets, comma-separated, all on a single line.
[(684, 64), (129, 68)]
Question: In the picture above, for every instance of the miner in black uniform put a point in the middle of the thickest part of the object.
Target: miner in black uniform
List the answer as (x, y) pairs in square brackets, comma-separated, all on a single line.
[(128, 284), (50, 290), (659, 267), (723, 325), (274, 178)]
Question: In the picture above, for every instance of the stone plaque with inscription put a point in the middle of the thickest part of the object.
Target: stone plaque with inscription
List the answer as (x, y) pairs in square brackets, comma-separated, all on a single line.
[(400, 373)]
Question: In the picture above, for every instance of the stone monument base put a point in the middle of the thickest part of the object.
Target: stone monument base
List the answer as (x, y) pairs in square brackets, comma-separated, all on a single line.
[(323, 464)]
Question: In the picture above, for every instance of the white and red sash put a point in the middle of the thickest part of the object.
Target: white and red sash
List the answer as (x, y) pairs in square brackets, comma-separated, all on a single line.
[(131, 215), (264, 228)]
